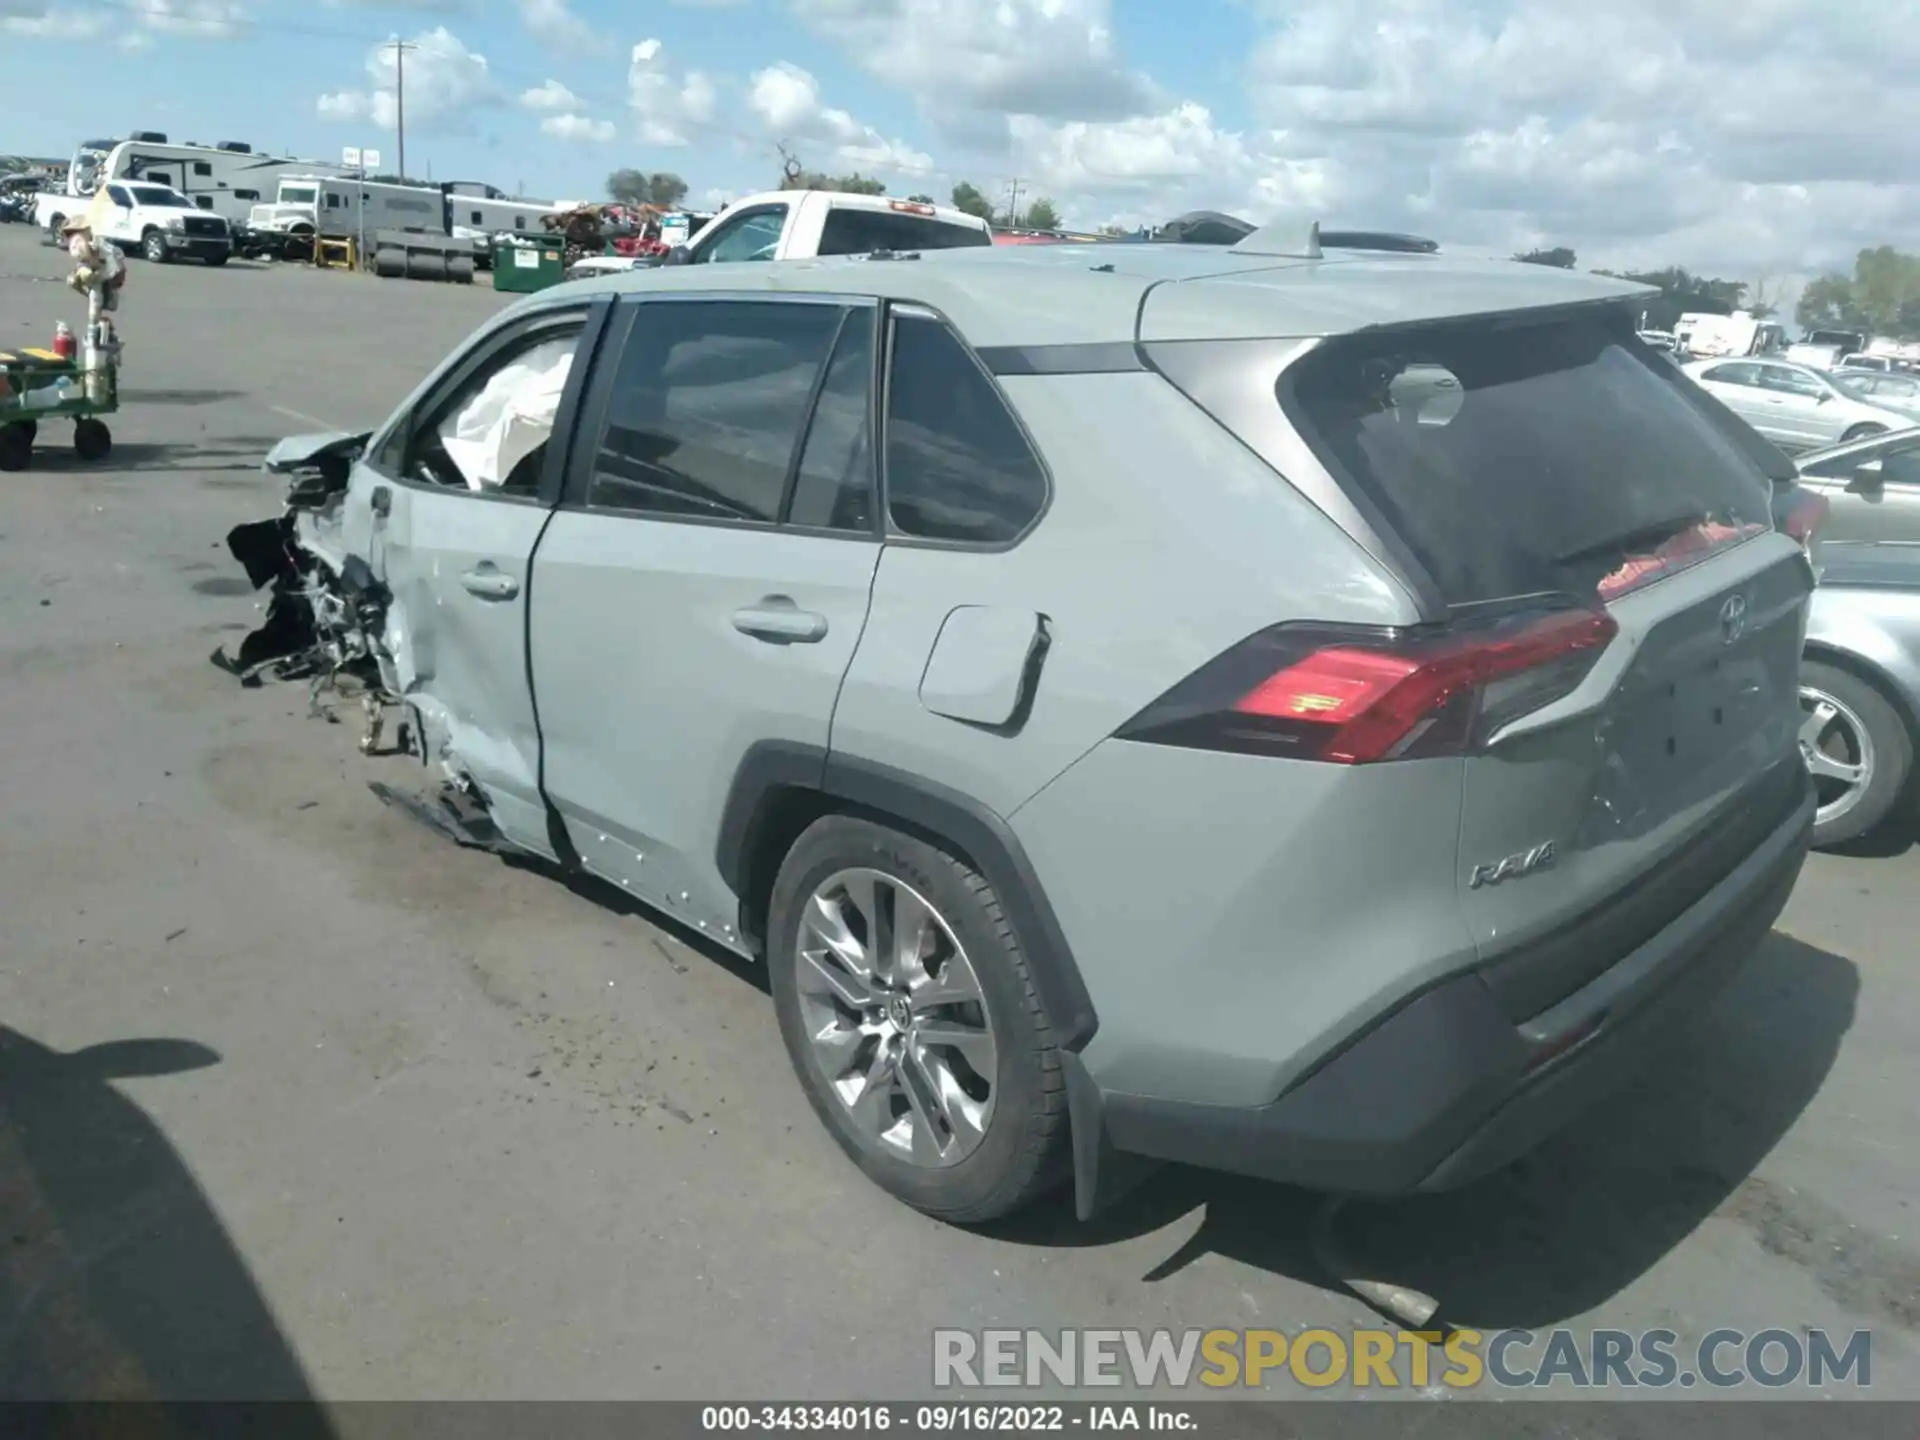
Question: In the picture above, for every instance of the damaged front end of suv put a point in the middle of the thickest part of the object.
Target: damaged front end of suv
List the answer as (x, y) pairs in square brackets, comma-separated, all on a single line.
[(325, 611)]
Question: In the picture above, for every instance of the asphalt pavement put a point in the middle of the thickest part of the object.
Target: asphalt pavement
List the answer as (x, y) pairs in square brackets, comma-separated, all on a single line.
[(300, 1100)]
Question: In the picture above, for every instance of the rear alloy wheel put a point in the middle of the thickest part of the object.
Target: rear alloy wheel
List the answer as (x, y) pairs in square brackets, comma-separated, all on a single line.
[(1861, 432), (911, 1019), (1858, 749)]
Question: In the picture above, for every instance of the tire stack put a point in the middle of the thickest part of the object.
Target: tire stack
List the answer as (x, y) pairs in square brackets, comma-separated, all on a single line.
[(390, 262)]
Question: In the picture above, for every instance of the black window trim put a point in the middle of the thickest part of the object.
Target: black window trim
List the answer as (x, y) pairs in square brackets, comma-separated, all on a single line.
[(914, 309), (734, 222), (627, 311), (591, 316)]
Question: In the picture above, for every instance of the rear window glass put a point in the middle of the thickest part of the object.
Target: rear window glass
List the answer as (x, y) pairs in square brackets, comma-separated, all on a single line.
[(1521, 461), (861, 232)]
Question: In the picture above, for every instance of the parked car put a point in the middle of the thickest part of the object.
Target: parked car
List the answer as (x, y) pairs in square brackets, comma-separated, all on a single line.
[(1872, 485), (1115, 721), (1796, 406), (1888, 387), (162, 225), (803, 224), (1860, 687), (589, 266)]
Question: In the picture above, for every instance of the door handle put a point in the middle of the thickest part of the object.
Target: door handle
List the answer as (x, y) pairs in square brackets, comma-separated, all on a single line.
[(490, 584), (382, 501), (779, 620)]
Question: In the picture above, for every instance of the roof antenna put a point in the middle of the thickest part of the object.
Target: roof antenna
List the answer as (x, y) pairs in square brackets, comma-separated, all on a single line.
[(1292, 239)]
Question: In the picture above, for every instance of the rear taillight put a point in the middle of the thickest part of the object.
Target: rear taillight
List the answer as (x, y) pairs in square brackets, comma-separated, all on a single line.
[(1354, 697)]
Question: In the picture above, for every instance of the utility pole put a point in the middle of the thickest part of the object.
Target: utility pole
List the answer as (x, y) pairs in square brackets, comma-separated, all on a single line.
[(1013, 201), (400, 48)]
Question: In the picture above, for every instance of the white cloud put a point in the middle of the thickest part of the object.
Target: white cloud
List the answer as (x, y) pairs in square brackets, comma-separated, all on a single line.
[(193, 19), (550, 96), (670, 108), (51, 22), (445, 83), (424, 7), (788, 102), (1052, 58), (1706, 133), (555, 23), (1733, 136), (579, 128)]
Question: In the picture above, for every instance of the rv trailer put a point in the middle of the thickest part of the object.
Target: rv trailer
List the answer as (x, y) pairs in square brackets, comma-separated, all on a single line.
[(227, 179)]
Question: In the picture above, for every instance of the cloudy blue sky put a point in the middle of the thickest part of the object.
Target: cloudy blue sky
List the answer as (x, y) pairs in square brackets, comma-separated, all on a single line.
[(1750, 138)]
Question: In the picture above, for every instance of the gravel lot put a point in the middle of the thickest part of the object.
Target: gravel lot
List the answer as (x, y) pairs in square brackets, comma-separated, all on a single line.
[(407, 1122)]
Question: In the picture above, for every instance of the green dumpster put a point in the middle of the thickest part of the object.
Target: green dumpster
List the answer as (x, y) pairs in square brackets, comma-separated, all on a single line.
[(522, 268)]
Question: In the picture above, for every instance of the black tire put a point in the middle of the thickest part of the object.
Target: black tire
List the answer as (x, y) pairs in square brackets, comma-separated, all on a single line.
[(426, 267), (460, 270), (1860, 432), (390, 264), (1023, 1152), (16, 447), (53, 230), (153, 247), (1889, 753), (92, 440)]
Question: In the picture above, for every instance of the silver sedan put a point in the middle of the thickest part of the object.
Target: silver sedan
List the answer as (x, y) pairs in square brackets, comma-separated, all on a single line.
[(1798, 407)]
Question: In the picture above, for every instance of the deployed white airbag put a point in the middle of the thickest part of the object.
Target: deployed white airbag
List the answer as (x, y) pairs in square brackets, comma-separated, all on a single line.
[(511, 417)]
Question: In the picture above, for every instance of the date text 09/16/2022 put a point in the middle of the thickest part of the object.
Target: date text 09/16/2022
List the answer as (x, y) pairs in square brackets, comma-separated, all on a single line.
[(981, 1419)]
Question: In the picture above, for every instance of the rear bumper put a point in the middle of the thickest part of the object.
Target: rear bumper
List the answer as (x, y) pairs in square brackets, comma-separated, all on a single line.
[(1447, 1088)]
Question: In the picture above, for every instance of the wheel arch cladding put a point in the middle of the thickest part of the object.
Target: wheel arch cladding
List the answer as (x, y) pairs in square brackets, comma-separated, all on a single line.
[(780, 788)]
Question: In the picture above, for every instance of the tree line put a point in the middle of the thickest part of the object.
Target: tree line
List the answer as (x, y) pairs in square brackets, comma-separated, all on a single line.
[(1880, 297)]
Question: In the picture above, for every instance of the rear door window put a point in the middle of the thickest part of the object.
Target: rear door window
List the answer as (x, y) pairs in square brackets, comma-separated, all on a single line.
[(707, 405), (1556, 453), (848, 231), (1733, 375)]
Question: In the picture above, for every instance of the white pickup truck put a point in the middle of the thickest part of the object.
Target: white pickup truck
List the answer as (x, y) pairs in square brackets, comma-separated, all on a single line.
[(156, 220), (800, 224)]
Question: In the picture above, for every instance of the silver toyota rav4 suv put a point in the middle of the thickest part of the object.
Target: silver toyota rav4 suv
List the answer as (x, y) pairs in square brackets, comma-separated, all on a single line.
[(1319, 713)]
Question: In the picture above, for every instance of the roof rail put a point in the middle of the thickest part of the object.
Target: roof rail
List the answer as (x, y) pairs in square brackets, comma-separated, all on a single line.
[(1288, 238), (1379, 240)]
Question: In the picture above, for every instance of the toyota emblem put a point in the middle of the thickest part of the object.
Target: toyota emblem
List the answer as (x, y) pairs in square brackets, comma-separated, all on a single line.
[(1733, 619)]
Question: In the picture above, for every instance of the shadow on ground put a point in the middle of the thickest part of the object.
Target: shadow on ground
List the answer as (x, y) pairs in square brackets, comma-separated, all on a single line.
[(179, 397), (1589, 1212), (117, 1279), (130, 459)]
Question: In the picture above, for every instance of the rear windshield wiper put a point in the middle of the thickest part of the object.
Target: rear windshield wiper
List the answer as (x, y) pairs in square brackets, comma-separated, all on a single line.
[(1640, 537)]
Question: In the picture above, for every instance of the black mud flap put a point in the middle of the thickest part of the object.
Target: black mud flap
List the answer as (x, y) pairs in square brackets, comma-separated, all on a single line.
[(265, 550), (466, 825)]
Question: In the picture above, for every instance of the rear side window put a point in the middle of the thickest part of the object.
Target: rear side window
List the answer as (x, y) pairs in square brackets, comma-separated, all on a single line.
[(707, 406), (861, 232), (1521, 461), (958, 465), (1734, 374)]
